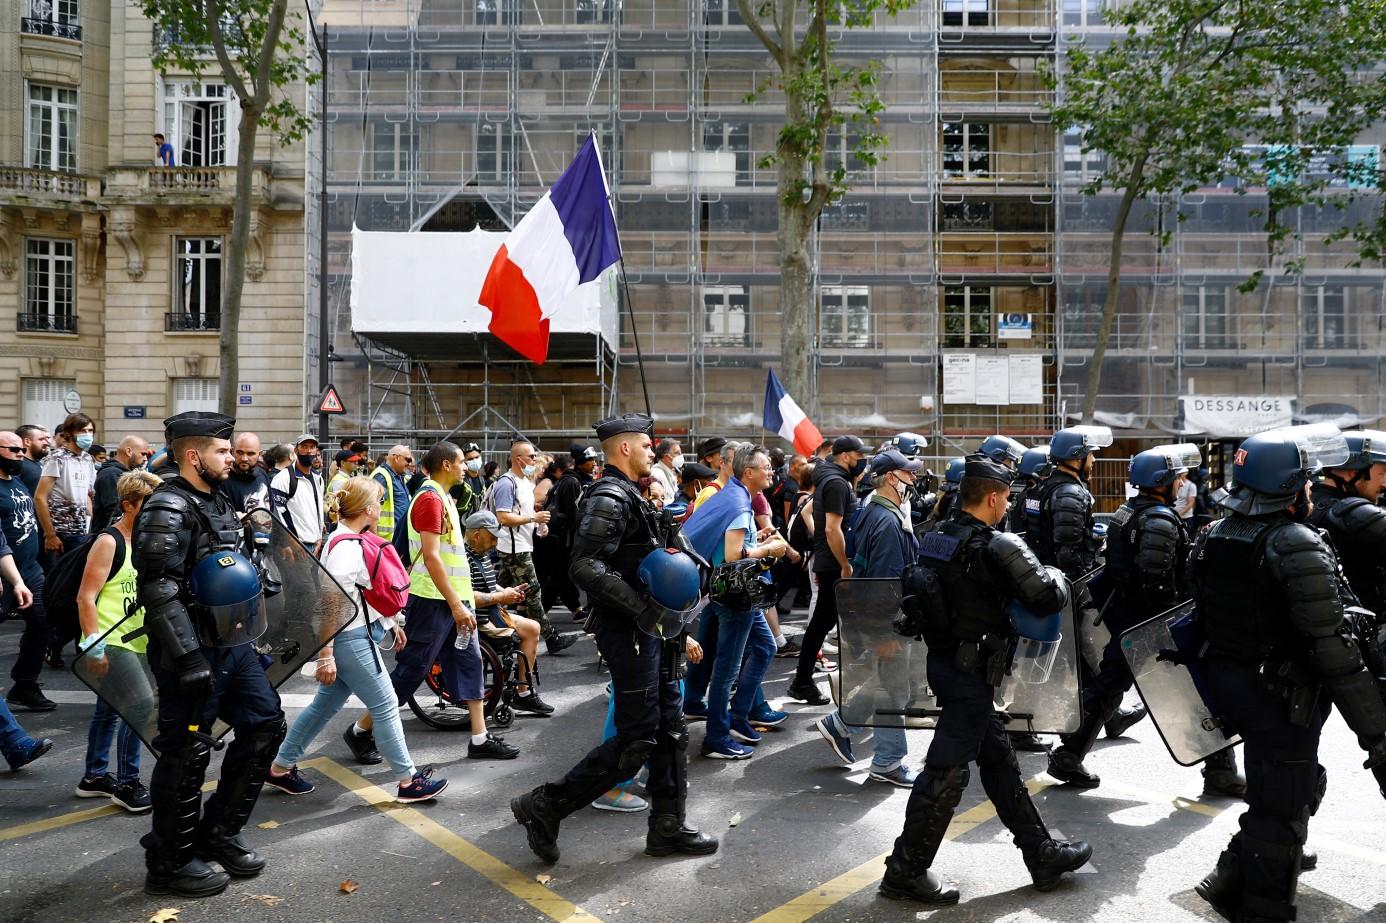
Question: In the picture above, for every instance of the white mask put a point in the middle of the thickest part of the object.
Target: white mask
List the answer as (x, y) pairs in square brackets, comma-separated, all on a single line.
[(676, 462), (529, 471), (474, 465)]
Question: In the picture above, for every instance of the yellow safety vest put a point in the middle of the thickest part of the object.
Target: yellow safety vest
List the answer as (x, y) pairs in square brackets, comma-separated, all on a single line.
[(385, 528), (110, 608), (451, 548)]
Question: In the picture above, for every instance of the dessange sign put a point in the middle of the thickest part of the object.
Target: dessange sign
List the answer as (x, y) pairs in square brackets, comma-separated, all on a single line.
[(1233, 415)]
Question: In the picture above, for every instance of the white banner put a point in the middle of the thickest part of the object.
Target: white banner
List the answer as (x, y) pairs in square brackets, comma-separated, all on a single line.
[(993, 380), (959, 378), (1027, 379), (1234, 415)]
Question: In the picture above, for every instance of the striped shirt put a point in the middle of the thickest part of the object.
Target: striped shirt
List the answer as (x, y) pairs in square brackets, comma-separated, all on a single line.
[(484, 581)]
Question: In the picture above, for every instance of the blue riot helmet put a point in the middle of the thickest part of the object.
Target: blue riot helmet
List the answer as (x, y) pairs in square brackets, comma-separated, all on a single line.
[(1366, 447), (954, 475), (225, 586), (1078, 441), (1002, 449), (674, 586), (908, 444), (1038, 635), (1270, 469), (1035, 462), (1158, 467)]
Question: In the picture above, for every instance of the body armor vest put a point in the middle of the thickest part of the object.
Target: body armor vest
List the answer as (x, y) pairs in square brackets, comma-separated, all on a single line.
[(1243, 617), (643, 530), (975, 609), (1363, 567)]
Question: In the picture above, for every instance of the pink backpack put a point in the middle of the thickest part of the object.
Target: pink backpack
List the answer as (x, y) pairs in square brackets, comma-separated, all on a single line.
[(389, 589)]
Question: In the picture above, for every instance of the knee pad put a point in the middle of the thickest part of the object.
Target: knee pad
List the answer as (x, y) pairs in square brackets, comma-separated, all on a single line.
[(678, 735), (1320, 790), (266, 738), (634, 755), (946, 783)]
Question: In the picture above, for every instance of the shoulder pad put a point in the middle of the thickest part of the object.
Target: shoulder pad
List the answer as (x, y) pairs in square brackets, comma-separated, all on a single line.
[(167, 500), (1008, 544), (1357, 514), (1162, 519), (936, 546), (1123, 515), (1293, 537), (1071, 496), (1238, 529), (609, 488)]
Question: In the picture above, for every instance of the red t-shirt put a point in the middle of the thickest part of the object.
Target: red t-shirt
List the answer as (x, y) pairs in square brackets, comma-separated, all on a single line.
[(426, 515), (759, 505)]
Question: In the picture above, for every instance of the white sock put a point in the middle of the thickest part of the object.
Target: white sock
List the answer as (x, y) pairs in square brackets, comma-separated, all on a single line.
[(358, 730), (781, 640), (479, 739)]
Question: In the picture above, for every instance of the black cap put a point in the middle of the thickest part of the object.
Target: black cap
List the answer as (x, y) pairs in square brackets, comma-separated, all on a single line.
[(583, 453), (625, 423), (708, 446), (198, 423), (848, 444), (692, 471), (980, 466)]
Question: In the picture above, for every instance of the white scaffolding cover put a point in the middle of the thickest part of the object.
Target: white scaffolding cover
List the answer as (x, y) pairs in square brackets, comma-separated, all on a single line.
[(424, 282)]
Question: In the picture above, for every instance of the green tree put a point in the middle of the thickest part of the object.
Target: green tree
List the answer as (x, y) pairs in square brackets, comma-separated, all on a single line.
[(822, 97), (1193, 92), (257, 47)]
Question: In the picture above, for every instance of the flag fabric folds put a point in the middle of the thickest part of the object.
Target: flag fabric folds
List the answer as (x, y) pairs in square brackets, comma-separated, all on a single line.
[(566, 239), (783, 416)]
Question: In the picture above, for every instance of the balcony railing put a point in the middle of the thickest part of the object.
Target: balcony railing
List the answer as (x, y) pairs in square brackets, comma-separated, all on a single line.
[(184, 322), (51, 25), (50, 182), (190, 179), (43, 322)]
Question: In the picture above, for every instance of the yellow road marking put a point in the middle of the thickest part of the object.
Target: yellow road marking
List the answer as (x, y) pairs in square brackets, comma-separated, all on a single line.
[(832, 892), (67, 820), (519, 884)]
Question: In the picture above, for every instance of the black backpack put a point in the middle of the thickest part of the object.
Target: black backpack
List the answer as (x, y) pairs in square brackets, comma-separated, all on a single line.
[(65, 581)]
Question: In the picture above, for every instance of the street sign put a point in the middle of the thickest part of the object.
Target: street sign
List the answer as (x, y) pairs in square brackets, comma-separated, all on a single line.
[(72, 402), (245, 400), (135, 412), (331, 401)]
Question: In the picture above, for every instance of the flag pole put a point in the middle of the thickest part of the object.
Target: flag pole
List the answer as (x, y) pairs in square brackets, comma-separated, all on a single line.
[(634, 333)]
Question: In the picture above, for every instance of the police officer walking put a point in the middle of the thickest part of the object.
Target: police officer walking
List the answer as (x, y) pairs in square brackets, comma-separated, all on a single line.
[(1270, 604), (981, 572), (1065, 504), (616, 531), (1146, 553), (193, 561), (1346, 506), (1023, 519)]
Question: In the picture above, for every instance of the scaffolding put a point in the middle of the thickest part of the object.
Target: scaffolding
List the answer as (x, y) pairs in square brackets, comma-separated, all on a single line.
[(968, 246)]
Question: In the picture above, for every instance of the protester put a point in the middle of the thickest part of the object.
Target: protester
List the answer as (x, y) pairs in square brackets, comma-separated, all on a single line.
[(724, 474), (669, 459), (345, 464), (389, 474), (710, 451), (64, 496), (106, 594), (296, 494), (471, 489), (19, 525), (350, 664), (246, 484), (278, 457), (132, 453), (37, 444), (563, 508), (693, 477)]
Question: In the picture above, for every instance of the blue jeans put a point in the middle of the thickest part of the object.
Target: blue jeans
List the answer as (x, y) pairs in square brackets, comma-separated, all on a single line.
[(103, 727), (738, 633), (888, 747), (359, 671), (700, 674), (13, 738)]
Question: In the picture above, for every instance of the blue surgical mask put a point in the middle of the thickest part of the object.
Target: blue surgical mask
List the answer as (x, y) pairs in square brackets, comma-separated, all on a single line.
[(529, 471), (474, 465), (84, 441)]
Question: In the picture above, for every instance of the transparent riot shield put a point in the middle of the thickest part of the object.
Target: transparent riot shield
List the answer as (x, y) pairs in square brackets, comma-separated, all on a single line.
[(1055, 705), (880, 674), (1090, 608), (1171, 683), (304, 606)]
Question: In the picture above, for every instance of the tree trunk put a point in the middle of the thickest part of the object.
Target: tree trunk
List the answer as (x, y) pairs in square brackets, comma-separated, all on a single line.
[(796, 292), (234, 278), (1109, 308)]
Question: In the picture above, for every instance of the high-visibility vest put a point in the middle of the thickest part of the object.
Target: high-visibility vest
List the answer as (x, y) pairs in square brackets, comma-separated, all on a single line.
[(118, 593), (385, 528), (451, 549)]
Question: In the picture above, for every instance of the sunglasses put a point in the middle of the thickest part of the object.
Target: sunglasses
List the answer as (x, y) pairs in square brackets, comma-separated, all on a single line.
[(16, 449)]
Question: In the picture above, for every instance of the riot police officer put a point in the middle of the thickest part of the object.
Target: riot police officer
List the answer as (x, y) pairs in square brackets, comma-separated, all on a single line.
[(192, 561), (1270, 604), (1346, 507), (970, 642), (1064, 537), (948, 490), (1146, 553), (1003, 450), (1023, 518), (616, 531)]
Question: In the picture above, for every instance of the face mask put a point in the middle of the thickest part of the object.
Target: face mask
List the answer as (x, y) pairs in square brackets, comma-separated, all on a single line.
[(307, 461), (858, 468), (529, 471), (677, 462), (474, 465), (11, 466), (84, 441)]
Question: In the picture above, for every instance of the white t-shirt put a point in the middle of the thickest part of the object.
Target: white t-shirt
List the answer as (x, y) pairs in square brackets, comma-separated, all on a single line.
[(346, 562), (1188, 494), (304, 507), (74, 479), (515, 494)]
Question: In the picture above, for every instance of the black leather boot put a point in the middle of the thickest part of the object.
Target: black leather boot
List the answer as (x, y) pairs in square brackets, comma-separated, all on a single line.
[(1124, 719), (927, 816), (1222, 887), (1046, 858), (1270, 878), (1220, 775), (535, 812), (192, 879), (229, 851), (1053, 859), (670, 834), (1066, 760), (902, 883)]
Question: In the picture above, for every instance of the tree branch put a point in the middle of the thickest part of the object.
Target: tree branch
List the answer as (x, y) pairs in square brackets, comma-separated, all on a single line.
[(748, 16), (228, 69), (264, 66)]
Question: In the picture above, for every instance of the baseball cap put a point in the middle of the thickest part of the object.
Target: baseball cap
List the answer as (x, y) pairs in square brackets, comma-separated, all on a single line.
[(893, 460), (692, 471), (848, 444), (306, 437), (482, 519)]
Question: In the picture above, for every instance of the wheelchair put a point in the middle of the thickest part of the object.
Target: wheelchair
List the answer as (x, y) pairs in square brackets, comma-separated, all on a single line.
[(500, 660)]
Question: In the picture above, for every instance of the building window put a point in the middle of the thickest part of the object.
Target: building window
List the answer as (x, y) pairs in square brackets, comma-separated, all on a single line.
[(394, 150), (1077, 164), (196, 284), (846, 316), (967, 318), (49, 303), (493, 147), (1205, 318), (41, 401), (726, 315), (200, 121), (497, 13), (58, 18), (597, 10), (52, 143), (1325, 317), (966, 150), (959, 13), (734, 137), (841, 152), (966, 216), (721, 13), (194, 394), (1079, 14)]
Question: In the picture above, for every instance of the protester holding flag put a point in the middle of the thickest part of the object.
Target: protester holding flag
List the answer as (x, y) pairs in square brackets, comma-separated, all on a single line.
[(783, 416)]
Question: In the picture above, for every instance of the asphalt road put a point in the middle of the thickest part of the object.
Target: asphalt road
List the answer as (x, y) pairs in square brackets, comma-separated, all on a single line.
[(809, 842)]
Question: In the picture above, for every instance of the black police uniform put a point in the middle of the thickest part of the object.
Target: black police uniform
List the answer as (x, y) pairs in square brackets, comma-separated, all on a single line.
[(178, 527), (563, 503), (981, 571), (1018, 520), (1270, 603), (616, 529), (1064, 538), (1357, 528)]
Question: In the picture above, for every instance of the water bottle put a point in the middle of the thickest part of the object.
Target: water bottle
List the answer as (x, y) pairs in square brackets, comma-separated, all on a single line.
[(463, 639)]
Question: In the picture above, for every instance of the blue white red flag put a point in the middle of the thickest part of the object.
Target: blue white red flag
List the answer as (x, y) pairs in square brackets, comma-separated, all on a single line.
[(783, 416), (566, 239)]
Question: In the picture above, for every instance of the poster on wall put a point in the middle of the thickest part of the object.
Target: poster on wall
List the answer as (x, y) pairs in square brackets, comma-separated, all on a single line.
[(1027, 380), (1014, 326), (1228, 415), (993, 380), (959, 378)]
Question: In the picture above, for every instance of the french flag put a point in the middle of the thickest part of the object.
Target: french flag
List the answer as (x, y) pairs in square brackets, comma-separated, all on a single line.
[(783, 416), (566, 239)]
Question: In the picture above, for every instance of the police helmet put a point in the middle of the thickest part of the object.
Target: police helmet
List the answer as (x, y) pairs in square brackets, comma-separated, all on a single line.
[(226, 587), (1270, 469), (954, 474), (674, 585), (908, 444), (1002, 449), (1078, 441), (1038, 636), (1158, 467), (1366, 447), (1035, 462)]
